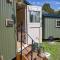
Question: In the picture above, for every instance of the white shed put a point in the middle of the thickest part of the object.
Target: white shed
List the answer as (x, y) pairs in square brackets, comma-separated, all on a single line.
[(31, 16)]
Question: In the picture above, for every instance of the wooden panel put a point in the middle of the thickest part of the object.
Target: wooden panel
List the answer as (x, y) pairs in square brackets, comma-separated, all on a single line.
[(23, 57), (20, 14)]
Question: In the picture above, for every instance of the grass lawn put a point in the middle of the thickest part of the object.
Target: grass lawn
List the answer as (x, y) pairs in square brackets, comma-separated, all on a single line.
[(53, 49)]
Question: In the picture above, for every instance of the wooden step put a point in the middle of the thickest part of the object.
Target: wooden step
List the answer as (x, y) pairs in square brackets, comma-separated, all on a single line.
[(18, 57), (19, 46), (26, 54), (36, 57), (27, 50)]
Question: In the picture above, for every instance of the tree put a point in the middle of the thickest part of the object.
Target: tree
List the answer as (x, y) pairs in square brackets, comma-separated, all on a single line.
[(46, 7)]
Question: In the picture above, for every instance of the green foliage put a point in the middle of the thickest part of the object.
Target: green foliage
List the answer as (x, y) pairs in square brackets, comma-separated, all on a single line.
[(46, 7)]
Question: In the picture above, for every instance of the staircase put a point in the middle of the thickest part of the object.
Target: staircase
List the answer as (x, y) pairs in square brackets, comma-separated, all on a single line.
[(26, 53), (25, 50)]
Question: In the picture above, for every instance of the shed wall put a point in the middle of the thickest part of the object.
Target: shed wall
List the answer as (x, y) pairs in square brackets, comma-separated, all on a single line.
[(7, 34), (50, 28)]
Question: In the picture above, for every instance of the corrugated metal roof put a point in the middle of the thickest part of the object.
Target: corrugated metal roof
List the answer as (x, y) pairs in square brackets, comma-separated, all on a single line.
[(26, 2), (51, 15)]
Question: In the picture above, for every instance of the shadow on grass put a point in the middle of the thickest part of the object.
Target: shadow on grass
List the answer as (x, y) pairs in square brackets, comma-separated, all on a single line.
[(48, 40)]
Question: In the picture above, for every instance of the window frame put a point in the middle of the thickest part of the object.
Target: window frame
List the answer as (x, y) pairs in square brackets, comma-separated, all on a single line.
[(57, 23), (35, 17)]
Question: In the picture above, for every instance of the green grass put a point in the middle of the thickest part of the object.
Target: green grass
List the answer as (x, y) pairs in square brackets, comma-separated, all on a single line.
[(53, 49)]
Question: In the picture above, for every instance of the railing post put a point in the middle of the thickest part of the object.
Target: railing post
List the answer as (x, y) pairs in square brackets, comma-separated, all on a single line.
[(31, 46), (21, 42), (32, 51)]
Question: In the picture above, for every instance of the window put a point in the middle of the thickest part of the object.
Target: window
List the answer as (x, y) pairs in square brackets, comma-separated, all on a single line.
[(34, 16), (57, 23)]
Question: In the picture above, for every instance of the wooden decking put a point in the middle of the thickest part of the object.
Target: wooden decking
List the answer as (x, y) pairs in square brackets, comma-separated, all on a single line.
[(26, 54)]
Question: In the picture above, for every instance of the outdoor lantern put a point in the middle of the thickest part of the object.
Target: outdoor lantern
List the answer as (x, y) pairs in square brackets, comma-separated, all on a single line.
[(9, 23)]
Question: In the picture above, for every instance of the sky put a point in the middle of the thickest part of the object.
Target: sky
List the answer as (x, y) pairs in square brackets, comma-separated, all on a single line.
[(55, 4)]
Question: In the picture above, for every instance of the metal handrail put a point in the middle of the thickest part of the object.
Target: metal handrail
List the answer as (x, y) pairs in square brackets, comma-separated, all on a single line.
[(30, 36), (32, 46), (32, 43)]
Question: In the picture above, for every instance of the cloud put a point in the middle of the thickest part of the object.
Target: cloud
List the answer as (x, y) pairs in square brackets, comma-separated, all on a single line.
[(32, 2), (35, 3), (56, 2), (53, 2), (38, 3)]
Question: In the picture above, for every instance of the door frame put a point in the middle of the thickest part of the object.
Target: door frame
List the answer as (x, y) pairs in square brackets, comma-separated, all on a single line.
[(35, 8)]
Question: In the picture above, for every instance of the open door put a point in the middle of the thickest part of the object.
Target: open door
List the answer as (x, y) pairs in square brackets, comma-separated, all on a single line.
[(34, 23)]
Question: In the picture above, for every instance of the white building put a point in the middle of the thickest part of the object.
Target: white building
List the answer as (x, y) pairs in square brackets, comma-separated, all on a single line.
[(31, 16)]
